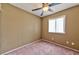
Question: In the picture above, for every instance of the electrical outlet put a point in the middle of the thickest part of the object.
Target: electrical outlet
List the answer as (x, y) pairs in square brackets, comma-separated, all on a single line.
[(67, 42), (52, 38), (72, 43)]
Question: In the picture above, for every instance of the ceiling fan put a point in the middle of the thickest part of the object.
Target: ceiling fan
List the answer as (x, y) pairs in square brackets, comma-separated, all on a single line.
[(46, 7)]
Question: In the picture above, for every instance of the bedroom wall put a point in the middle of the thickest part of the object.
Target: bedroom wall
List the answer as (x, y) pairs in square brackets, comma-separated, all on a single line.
[(18, 27), (0, 28), (72, 28)]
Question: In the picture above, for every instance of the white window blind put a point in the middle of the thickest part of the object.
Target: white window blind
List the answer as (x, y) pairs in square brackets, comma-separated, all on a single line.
[(51, 25), (57, 25)]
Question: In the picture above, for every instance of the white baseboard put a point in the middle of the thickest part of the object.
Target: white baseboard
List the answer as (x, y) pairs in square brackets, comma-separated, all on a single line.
[(20, 47), (61, 45)]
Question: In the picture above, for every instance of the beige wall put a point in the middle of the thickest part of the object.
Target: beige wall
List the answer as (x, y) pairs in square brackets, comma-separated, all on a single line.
[(18, 27), (72, 28), (0, 28), (0, 6), (0, 31)]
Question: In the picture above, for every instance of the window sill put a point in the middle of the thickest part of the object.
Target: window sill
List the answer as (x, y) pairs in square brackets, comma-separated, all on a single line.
[(55, 33)]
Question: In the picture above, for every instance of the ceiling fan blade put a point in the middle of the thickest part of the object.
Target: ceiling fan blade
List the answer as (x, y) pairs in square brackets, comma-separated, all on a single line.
[(53, 4), (36, 9), (42, 13), (50, 10)]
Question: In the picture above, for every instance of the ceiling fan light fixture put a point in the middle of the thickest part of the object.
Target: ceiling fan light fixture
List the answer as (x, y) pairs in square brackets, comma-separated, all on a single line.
[(45, 9)]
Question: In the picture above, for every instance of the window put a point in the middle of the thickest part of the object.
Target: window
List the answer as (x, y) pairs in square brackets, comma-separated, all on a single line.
[(57, 25)]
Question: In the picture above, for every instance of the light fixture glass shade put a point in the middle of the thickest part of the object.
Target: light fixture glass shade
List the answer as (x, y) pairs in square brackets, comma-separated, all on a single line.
[(45, 8)]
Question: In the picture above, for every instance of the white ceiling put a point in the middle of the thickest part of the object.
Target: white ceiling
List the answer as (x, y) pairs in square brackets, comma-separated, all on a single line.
[(29, 6)]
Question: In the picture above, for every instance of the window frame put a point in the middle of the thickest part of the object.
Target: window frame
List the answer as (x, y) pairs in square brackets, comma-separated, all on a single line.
[(64, 25)]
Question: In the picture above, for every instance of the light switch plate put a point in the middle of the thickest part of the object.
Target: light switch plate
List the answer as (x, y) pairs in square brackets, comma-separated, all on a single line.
[(67, 42)]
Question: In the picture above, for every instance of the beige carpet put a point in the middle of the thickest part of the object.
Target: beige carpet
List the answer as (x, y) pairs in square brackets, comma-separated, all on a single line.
[(42, 48)]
